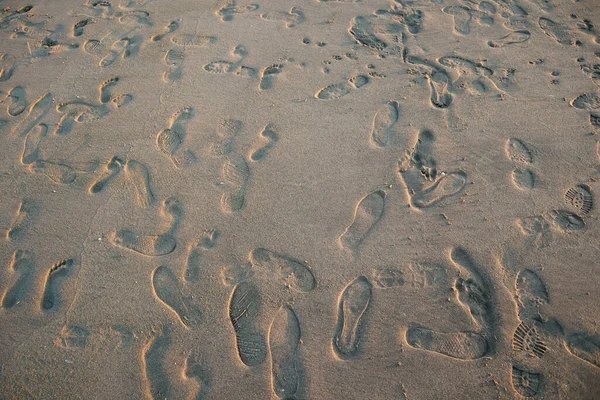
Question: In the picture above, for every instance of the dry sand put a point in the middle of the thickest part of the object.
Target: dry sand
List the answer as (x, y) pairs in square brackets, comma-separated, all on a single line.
[(311, 200)]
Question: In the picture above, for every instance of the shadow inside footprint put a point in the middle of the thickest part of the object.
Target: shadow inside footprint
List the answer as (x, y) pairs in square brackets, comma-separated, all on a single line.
[(244, 307), (168, 289), (353, 305)]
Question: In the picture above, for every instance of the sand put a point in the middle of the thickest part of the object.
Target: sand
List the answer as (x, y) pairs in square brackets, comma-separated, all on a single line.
[(299, 200)]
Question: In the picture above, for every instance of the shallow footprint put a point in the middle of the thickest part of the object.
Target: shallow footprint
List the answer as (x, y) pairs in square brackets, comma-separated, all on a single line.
[(284, 338), (120, 48), (190, 39), (18, 102), (584, 347), (559, 32), (23, 220), (515, 37), (446, 186), (56, 171), (338, 90), (22, 263), (174, 60), (567, 221), (57, 272), (244, 307), (459, 345), (31, 148), (383, 122), (170, 28), (235, 174), (523, 178), (294, 273), (352, 306), (34, 116), (267, 76), (462, 18), (531, 293), (138, 175), (147, 245), (167, 289), (438, 85), (366, 215), (361, 31)]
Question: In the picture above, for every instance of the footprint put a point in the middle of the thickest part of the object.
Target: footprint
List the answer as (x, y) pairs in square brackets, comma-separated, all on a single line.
[(514, 37), (284, 338), (415, 275), (526, 384), (193, 263), (231, 276), (523, 178), (556, 31), (235, 174), (439, 82), (194, 370), (459, 345), (338, 90), (168, 290), (527, 338), (244, 307), (172, 213), (567, 221), (172, 27), (31, 147), (227, 131), (587, 101), (105, 89), (580, 198), (267, 76), (18, 102), (229, 8), (34, 116), (268, 133), (23, 264), (121, 48), (446, 186), (190, 39), (366, 215), (174, 61), (531, 294), (27, 210), (8, 63), (291, 18), (584, 347), (292, 273), (383, 123), (57, 172), (462, 18), (353, 304), (360, 29), (517, 151), (111, 170), (78, 27), (158, 385), (56, 274), (138, 175), (147, 245), (473, 291), (169, 141), (72, 336)]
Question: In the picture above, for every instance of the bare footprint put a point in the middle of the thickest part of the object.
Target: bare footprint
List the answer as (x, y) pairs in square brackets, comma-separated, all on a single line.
[(268, 133), (78, 27), (191, 39), (59, 271), (174, 60), (27, 210), (458, 345), (235, 174), (23, 264), (105, 89), (138, 175), (367, 214), (111, 170), (268, 75), (292, 273), (33, 140), (362, 32), (353, 304), (284, 338), (462, 18), (155, 372), (531, 294), (36, 112), (168, 289), (120, 48), (587, 101), (147, 245), (338, 90), (229, 8), (383, 124), (170, 28), (244, 307), (514, 37), (18, 101), (57, 172)]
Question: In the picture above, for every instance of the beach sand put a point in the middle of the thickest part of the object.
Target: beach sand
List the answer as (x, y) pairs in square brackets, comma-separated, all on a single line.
[(300, 200)]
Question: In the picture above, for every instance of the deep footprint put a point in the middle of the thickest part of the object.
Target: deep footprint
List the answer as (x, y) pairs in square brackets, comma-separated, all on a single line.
[(244, 307), (284, 338), (353, 305), (167, 289), (56, 274), (367, 214)]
